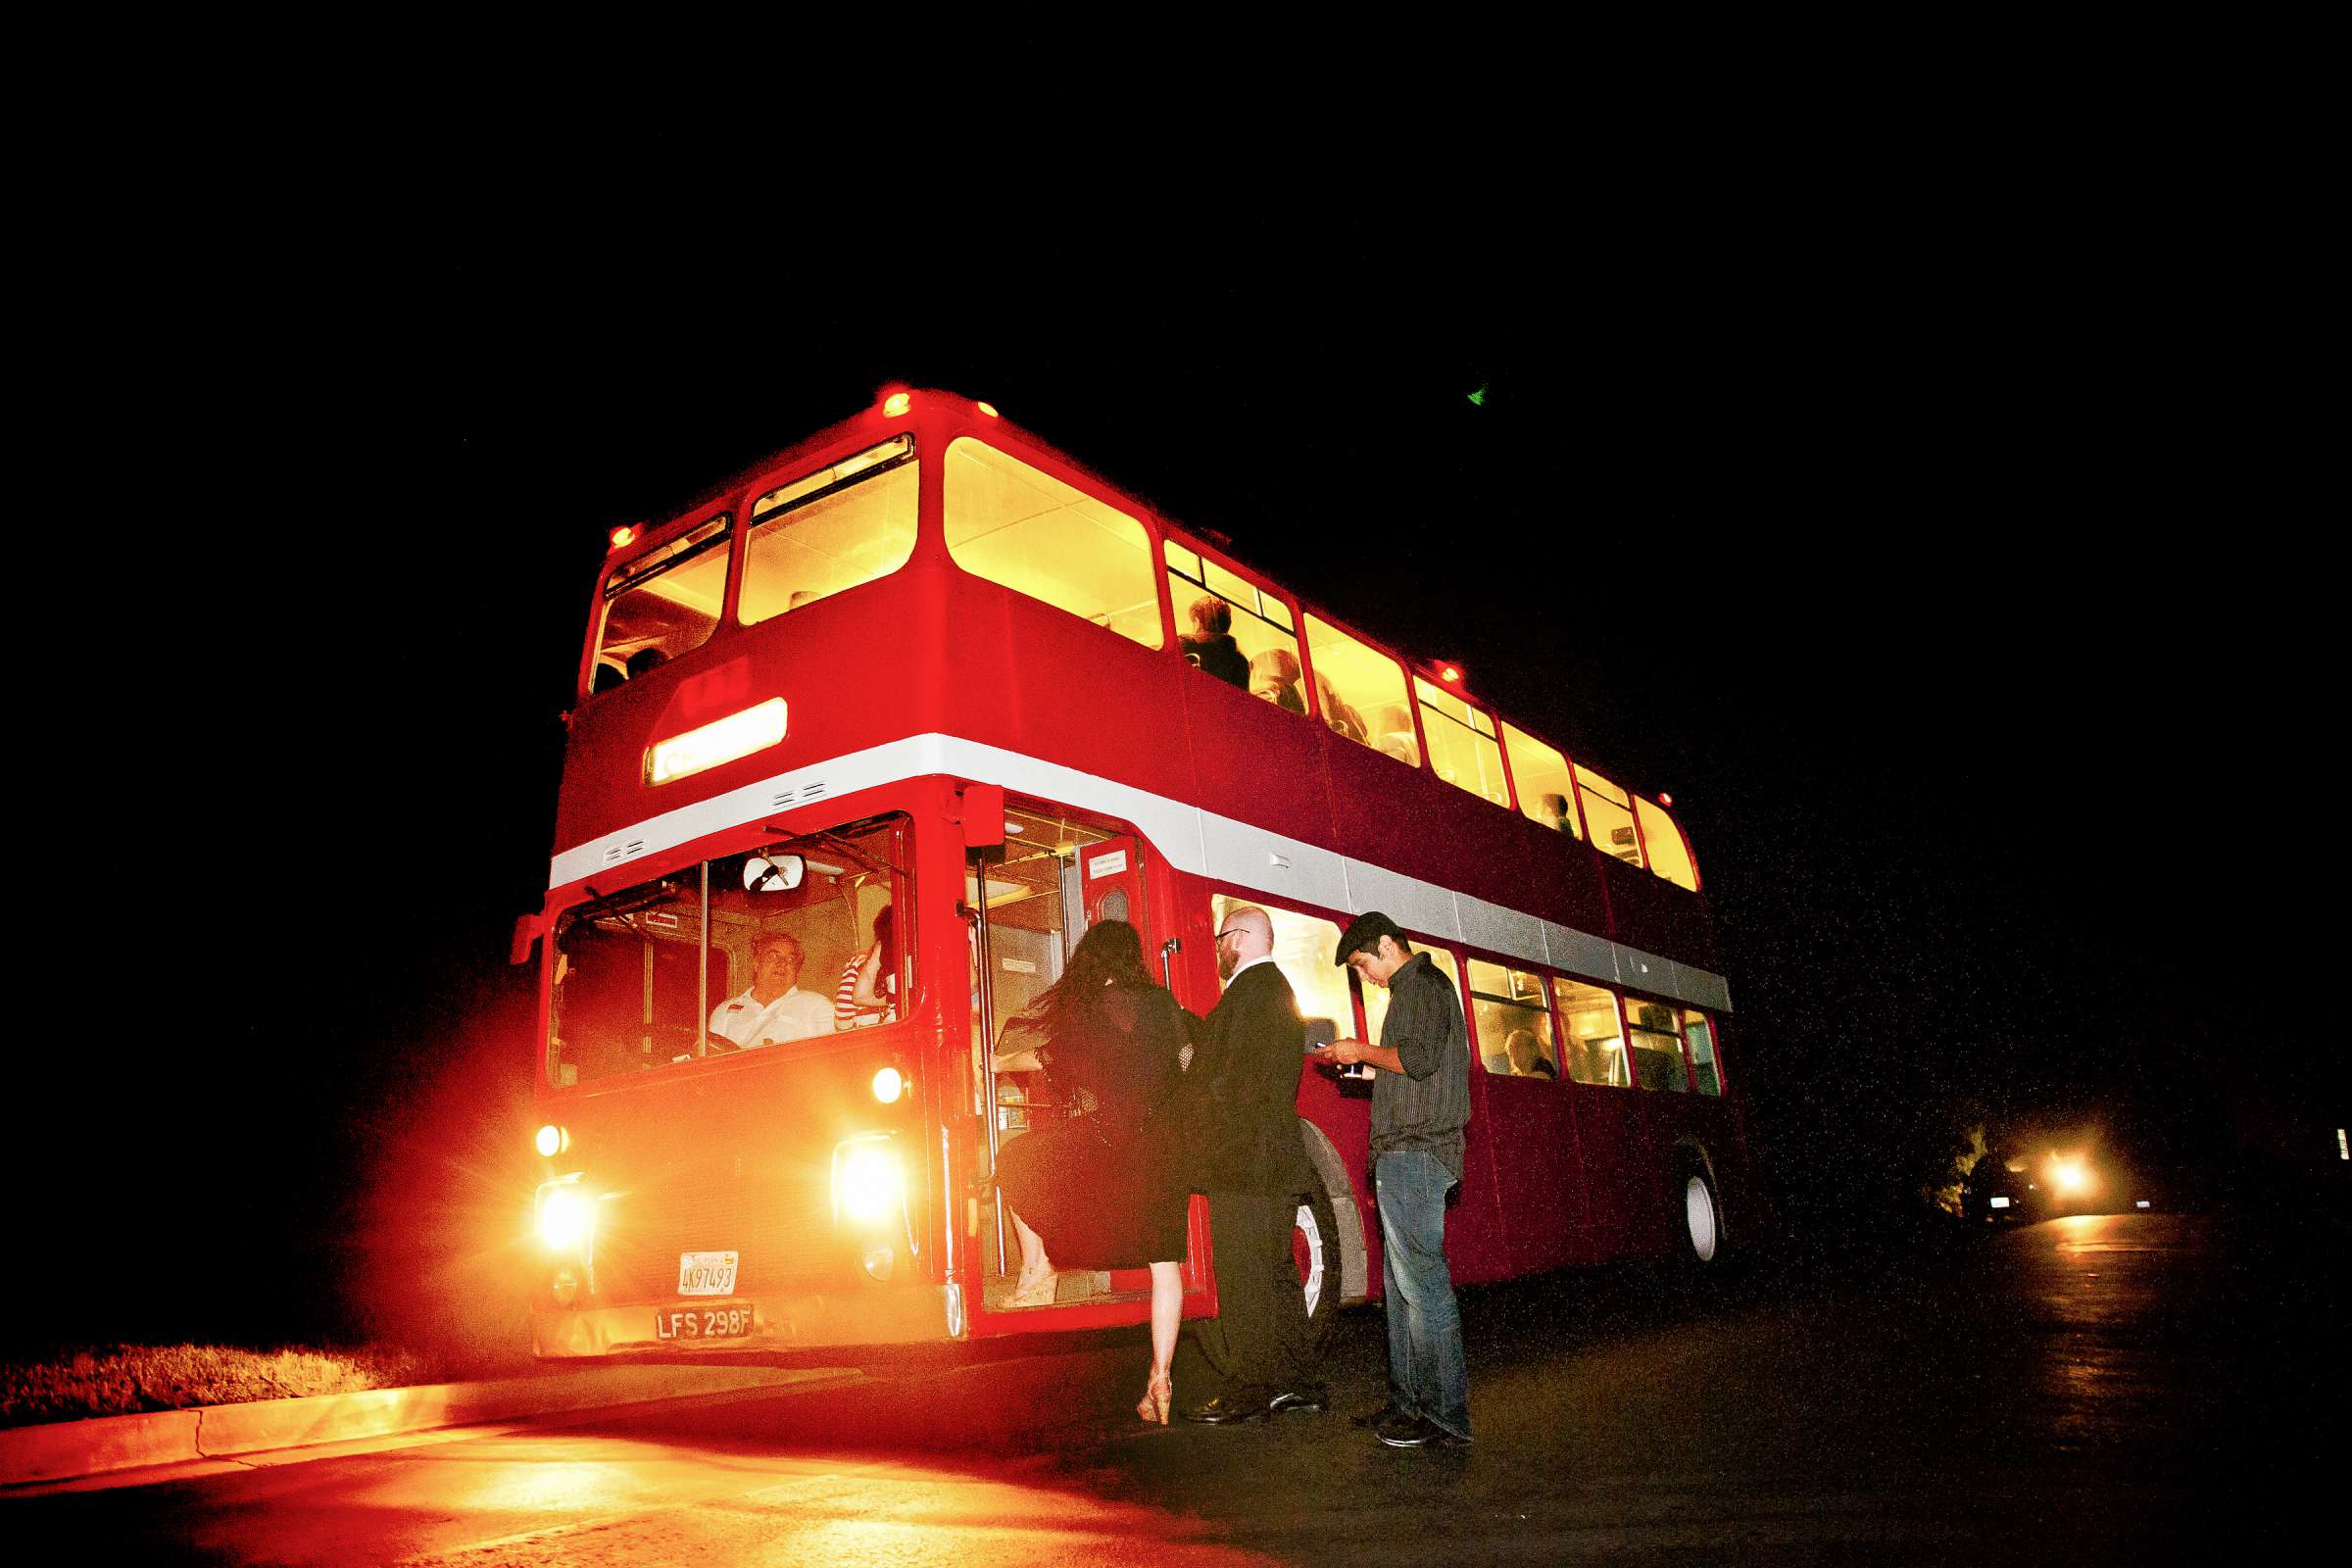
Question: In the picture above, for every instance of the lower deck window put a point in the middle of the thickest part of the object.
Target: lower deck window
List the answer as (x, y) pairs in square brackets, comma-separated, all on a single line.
[(793, 941)]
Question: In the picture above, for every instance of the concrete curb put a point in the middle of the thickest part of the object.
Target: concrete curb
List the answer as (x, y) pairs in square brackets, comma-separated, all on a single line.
[(66, 1450)]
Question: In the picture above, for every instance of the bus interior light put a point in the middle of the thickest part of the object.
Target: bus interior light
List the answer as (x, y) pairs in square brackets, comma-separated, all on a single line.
[(738, 735), (552, 1140)]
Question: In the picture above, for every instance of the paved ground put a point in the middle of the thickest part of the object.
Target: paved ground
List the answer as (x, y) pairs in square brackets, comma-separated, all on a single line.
[(2089, 1390)]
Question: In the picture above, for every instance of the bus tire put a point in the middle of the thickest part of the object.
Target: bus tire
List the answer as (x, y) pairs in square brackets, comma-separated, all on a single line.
[(1315, 1249), (1699, 1218)]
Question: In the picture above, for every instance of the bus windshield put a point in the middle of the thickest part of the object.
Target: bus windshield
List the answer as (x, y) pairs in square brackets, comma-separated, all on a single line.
[(794, 940)]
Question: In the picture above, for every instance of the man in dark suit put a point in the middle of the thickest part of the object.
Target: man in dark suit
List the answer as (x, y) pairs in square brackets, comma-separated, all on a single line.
[(1243, 1120)]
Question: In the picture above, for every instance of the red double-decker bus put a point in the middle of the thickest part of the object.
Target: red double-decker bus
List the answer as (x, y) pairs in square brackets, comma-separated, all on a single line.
[(868, 735)]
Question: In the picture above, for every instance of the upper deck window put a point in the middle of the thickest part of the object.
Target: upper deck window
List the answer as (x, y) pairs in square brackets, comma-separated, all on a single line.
[(1545, 792), (1013, 524), (1463, 748), (1234, 630), (1366, 684), (1609, 814), (663, 604), (1669, 856), (844, 524)]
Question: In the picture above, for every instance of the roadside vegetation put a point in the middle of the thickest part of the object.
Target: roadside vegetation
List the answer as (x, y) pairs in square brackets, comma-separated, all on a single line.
[(123, 1379)]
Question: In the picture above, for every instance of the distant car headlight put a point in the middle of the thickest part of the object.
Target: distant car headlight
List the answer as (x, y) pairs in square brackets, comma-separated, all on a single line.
[(1999, 1203)]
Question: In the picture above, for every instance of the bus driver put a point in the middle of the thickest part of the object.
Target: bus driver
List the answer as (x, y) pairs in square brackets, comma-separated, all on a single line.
[(774, 1010)]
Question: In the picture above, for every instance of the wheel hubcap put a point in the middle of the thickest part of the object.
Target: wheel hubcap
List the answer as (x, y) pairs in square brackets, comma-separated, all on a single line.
[(1698, 1214), (1307, 1251)]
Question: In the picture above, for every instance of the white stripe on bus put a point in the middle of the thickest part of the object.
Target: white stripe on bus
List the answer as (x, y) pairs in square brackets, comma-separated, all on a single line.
[(1201, 843)]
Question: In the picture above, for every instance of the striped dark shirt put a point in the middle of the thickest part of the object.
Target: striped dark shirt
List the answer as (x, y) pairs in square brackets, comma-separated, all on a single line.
[(1428, 1105)]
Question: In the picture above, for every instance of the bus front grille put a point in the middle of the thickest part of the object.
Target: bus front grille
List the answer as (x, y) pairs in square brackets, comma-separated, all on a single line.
[(779, 1224)]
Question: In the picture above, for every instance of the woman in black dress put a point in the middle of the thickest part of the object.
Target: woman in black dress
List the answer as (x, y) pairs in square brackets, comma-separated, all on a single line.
[(1098, 1191)]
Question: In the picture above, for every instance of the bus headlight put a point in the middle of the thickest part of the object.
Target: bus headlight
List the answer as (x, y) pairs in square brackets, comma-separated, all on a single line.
[(889, 1085), (866, 1181), (552, 1140), (564, 1215)]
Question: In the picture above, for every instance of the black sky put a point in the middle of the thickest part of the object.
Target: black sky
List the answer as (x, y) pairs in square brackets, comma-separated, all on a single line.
[(1952, 562)]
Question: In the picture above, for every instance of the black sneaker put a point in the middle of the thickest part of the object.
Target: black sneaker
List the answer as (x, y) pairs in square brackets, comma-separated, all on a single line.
[(1418, 1432), (1374, 1418)]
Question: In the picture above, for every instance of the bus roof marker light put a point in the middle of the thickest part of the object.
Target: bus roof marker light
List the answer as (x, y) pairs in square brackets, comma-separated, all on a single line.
[(1665, 799), (738, 735), (897, 403), (989, 409), (1451, 675), (624, 535)]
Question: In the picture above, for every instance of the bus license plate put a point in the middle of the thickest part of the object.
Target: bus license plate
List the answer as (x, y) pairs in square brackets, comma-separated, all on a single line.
[(707, 1273), (703, 1322)]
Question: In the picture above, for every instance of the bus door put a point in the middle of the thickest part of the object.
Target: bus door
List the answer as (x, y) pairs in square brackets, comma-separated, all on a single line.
[(1037, 902)]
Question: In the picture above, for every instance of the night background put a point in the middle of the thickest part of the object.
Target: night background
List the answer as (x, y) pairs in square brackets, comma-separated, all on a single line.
[(1949, 562)]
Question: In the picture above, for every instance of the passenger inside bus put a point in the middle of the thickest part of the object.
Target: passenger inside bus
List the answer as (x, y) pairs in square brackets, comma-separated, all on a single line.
[(868, 990), (1274, 676), (1555, 812), (1336, 711), (1210, 645), (1528, 1057)]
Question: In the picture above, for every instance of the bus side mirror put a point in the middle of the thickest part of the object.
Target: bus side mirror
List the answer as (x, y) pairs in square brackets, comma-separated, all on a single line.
[(983, 815), (526, 937)]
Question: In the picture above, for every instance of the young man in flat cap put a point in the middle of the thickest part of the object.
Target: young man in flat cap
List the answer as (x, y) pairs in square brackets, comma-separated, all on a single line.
[(1420, 1105)]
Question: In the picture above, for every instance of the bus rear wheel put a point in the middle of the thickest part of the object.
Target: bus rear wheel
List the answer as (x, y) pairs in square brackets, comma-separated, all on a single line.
[(1702, 1221), (1315, 1252)]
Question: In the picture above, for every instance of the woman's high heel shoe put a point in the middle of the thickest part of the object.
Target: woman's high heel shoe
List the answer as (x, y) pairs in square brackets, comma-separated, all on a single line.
[(1158, 1394)]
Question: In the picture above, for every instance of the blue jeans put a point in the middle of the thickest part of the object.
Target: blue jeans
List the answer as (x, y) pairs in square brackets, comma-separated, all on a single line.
[(1426, 1374)]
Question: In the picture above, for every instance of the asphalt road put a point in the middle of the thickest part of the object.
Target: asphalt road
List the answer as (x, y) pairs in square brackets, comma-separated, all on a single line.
[(2098, 1389)]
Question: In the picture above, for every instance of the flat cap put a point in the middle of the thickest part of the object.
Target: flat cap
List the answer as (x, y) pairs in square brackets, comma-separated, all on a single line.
[(1363, 934)]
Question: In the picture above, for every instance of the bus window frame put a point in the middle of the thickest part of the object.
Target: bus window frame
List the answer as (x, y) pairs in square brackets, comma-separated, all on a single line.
[(1436, 679), (1626, 1001), (783, 475), (1405, 667), (1642, 832), (998, 439), (1576, 775), (1168, 533), (914, 984), (1509, 963), (1576, 810), (600, 605)]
